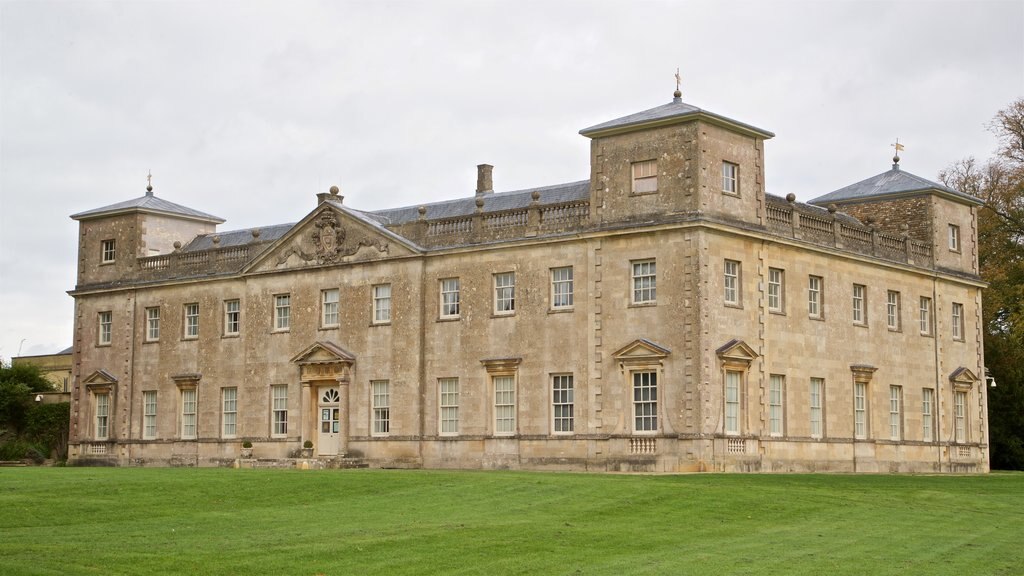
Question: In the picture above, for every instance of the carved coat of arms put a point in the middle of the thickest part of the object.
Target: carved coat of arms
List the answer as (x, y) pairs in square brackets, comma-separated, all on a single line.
[(328, 238)]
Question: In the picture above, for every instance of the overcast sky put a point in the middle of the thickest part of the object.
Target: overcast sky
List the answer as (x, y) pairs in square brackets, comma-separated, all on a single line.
[(247, 109)]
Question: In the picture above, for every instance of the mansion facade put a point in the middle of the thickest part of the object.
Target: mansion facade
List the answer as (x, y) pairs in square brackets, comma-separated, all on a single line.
[(666, 314)]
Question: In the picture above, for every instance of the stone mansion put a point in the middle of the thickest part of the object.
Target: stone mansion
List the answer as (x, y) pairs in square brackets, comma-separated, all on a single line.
[(664, 314)]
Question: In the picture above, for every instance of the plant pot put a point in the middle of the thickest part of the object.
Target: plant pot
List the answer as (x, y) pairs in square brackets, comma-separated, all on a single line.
[(246, 453), (306, 452)]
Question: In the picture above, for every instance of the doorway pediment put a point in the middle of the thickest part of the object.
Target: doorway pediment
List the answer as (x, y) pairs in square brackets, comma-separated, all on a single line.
[(324, 361)]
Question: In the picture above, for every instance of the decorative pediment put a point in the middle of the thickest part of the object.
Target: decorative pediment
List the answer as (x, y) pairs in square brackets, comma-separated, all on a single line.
[(324, 361), (963, 379), (332, 234), (187, 380), (736, 354), (100, 381), (862, 373), (501, 365), (640, 352)]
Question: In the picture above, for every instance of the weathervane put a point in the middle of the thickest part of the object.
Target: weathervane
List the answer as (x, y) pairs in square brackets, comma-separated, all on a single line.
[(679, 81), (149, 181), (896, 157)]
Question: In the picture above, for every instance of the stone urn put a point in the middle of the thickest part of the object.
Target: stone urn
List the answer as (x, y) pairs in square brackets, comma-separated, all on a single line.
[(246, 453), (307, 449)]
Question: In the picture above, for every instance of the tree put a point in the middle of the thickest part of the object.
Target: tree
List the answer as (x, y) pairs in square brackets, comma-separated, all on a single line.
[(17, 385), (999, 182)]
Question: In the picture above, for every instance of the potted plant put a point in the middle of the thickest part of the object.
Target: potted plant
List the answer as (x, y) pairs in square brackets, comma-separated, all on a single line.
[(246, 449), (307, 449)]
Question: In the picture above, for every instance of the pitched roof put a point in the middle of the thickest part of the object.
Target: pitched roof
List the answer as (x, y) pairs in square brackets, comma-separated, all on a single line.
[(671, 113), (149, 204), (237, 237), (894, 182), (492, 202)]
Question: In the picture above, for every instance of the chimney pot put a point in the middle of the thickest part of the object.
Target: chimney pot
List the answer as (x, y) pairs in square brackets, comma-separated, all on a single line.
[(484, 180)]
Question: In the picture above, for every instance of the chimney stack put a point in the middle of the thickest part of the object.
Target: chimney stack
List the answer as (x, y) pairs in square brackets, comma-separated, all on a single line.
[(484, 182)]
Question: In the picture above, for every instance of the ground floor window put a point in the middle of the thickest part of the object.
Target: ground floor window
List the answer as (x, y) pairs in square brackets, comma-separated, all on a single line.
[(817, 407), (645, 401), (279, 408), (960, 415), (927, 403), (188, 414), (449, 389), (895, 413), (381, 407), (149, 414), (776, 387), (732, 401), (860, 410), (562, 402), (102, 416), (229, 401), (504, 405)]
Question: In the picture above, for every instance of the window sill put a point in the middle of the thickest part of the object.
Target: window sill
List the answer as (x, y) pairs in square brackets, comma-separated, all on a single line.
[(328, 327), (733, 305), (189, 338), (235, 335), (449, 319), (896, 330), (282, 331), (733, 194), (643, 304), (503, 315), (561, 310), (108, 263), (777, 312), (649, 193), (104, 345), (376, 324), (151, 341), (860, 325), (816, 318)]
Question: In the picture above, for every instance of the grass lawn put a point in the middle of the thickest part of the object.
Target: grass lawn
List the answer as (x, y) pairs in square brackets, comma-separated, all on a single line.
[(224, 521)]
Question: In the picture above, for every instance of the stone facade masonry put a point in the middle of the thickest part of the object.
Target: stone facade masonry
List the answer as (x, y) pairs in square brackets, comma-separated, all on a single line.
[(689, 341)]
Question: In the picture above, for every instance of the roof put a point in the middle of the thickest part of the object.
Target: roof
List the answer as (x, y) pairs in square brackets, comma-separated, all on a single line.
[(237, 237), (493, 202), (894, 182), (671, 113), (149, 204)]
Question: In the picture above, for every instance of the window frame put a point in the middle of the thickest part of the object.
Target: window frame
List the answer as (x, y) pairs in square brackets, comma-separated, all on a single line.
[(954, 238), (191, 323), (646, 418), (448, 406), (860, 411), (779, 306), (152, 324), (279, 411), (381, 294), (957, 313), (776, 405), (105, 328), (450, 294), (730, 178), (893, 311), (330, 310), (504, 291), (817, 408), (644, 276), (563, 408), (236, 320), (896, 413), (927, 415), (149, 411), (282, 312), (505, 419), (189, 414), (562, 288), (380, 408), (960, 429), (732, 402), (229, 412), (108, 251), (646, 182), (815, 297), (731, 283), (101, 413), (860, 305), (925, 315)]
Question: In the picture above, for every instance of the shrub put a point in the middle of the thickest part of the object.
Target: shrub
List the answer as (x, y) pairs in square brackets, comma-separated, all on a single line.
[(246, 444), (307, 444)]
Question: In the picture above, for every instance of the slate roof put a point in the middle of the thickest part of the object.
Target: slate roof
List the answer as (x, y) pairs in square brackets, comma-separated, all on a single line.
[(494, 202), (151, 204), (237, 237), (893, 182), (676, 109)]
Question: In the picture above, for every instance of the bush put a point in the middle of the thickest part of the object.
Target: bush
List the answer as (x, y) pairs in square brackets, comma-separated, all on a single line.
[(307, 444)]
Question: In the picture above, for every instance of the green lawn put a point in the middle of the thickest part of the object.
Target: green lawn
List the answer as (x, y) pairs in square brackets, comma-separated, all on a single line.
[(224, 521)]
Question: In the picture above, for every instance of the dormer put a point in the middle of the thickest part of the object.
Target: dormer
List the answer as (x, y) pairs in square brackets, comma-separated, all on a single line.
[(899, 203), (675, 159), (111, 238)]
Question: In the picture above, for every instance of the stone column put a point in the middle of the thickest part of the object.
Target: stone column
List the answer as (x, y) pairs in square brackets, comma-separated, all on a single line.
[(305, 409), (343, 382)]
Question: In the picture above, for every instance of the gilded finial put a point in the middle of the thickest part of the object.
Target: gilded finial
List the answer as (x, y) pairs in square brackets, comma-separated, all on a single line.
[(896, 157)]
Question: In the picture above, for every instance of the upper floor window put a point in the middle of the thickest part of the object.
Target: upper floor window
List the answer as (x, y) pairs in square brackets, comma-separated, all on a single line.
[(776, 278), (645, 177), (232, 317), (814, 296), (892, 310), (958, 321), (107, 251), (561, 287), (192, 320), (730, 178), (860, 313), (106, 324), (282, 311), (644, 282), (732, 282), (954, 238), (329, 308), (925, 316), (152, 324), (450, 301), (505, 293), (382, 304)]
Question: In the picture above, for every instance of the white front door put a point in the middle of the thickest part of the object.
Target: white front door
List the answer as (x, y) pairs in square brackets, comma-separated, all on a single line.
[(330, 411)]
